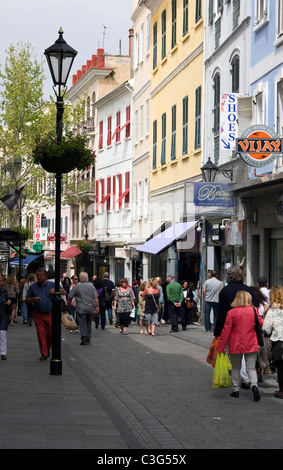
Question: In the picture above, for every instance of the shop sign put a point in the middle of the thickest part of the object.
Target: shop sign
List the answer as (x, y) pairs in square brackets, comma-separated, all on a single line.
[(120, 253), (259, 145), (213, 194), (51, 237), (229, 121)]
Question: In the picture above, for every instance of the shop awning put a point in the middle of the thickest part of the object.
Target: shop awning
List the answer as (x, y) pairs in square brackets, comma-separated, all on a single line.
[(164, 239), (26, 261), (70, 252)]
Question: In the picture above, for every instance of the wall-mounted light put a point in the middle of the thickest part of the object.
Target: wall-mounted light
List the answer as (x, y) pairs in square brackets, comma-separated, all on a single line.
[(223, 226), (209, 171)]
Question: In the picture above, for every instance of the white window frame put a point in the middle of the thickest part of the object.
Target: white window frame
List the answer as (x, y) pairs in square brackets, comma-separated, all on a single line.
[(141, 122), (148, 31), (279, 23), (147, 117), (136, 126), (261, 10), (141, 44)]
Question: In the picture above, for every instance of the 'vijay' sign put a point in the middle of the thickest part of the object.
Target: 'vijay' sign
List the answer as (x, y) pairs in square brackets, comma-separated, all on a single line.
[(259, 145)]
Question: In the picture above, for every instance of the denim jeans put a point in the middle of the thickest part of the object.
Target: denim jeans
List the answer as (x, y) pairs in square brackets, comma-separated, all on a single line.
[(207, 308)]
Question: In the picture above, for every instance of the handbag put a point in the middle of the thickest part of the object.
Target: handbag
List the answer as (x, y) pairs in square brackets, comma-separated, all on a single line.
[(68, 321), (133, 313), (258, 330), (156, 306), (213, 351), (221, 376), (277, 352), (189, 304)]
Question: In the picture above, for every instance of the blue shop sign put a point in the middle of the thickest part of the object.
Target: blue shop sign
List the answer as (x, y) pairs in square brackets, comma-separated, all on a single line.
[(213, 194)]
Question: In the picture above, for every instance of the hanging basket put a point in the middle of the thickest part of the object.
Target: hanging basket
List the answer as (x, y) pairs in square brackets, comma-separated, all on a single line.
[(64, 164)]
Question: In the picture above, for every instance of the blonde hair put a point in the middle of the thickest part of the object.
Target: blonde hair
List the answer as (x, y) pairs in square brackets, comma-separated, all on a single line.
[(276, 297), (242, 299), (83, 276)]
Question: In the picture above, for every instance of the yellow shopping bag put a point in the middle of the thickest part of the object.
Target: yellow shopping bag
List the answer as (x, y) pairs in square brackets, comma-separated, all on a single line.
[(221, 377)]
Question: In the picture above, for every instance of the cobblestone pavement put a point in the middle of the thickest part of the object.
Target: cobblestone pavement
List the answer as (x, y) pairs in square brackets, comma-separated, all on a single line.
[(129, 392)]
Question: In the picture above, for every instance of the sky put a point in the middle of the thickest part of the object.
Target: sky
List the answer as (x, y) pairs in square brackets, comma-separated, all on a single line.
[(83, 21)]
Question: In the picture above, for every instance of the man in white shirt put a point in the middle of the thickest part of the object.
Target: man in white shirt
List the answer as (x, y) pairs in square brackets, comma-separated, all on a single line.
[(211, 289)]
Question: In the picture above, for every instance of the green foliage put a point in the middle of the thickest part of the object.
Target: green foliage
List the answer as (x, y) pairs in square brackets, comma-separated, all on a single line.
[(84, 246), (25, 233), (70, 145)]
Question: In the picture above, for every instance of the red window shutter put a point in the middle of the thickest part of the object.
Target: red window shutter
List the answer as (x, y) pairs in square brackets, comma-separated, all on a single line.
[(114, 192), (100, 144), (96, 196), (109, 126), (102, 201), (127, 187), (108, 206), (120, 190), (118, 123), (128, 120)]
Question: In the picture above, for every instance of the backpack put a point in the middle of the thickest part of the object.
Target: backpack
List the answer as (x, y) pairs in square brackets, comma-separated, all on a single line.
[(108, 296)]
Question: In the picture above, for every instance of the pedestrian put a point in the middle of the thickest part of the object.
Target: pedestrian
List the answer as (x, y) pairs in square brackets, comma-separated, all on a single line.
[(124, 302), (141, 308), (66, 284), (151, 295), (264, 356), (160, 300), (72, 304), (20, 300), (86, 304), (239, 330), (165, 314), (39, 294), (100, 287), (175, 296), (4, 319), (263, 286), (109, 295), (235, 282), (273, 327), (211, 289), (27, 308), (187, 305), (12, 287)]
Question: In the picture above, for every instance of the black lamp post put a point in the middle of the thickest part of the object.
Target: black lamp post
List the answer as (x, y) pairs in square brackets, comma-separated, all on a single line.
[(210, 170), (20, 203), (86, 220), (60, 58)]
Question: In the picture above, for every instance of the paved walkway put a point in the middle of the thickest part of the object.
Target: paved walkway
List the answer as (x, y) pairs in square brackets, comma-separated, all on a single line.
[(128, 392)]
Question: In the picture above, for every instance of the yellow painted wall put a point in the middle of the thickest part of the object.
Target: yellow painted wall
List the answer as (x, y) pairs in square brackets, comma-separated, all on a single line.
[(176, 76)]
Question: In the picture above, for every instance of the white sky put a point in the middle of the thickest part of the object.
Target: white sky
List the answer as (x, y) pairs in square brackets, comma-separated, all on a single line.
[(38, 22)]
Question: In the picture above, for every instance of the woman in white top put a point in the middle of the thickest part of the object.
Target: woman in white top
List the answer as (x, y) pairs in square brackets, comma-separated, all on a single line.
[(273, 327)]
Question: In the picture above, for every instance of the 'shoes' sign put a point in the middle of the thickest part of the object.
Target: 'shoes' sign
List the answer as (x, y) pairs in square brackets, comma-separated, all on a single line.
[(259, 145)]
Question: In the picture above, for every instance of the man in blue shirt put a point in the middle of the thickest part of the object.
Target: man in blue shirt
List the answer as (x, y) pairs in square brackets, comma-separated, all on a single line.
[(40, 296)]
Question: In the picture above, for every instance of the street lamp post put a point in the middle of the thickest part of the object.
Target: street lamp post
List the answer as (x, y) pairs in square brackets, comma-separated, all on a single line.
[(20, 203), (86, 220), (60, 57)]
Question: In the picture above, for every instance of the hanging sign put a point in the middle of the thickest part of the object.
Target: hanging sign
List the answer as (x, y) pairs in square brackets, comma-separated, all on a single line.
[(229, 121), (259, 145)]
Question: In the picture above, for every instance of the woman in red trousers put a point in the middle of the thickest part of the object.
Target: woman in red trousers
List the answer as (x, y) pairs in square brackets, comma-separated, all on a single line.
[(239, 330)]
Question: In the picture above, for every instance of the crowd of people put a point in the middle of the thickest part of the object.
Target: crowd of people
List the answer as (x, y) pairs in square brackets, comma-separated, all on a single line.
[(237, 310)]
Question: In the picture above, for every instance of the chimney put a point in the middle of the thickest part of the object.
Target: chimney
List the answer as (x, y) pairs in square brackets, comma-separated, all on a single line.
[(100, 58), (74, 79), (131, 40), (88, 64), (94, 61)]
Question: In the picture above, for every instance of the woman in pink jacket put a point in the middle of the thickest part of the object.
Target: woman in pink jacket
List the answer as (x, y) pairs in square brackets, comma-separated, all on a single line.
[(239, 329)]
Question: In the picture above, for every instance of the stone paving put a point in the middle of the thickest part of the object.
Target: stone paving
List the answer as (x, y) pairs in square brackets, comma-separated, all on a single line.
[(129, 392)]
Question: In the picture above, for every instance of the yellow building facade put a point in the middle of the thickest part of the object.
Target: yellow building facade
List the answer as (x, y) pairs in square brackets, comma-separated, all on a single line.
[(176, 91)]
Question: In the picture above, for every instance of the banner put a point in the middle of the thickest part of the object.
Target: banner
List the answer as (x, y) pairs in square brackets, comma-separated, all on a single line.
[(229, 121)]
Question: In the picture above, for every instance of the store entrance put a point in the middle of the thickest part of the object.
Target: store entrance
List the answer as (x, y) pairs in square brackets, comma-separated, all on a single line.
[(189, 267)]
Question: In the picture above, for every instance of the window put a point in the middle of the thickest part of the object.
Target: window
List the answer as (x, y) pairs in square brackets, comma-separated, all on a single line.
[(216, 109), (174, 24), (219, 5), (100, 144), (128, 120), (154, 140), (163, 34), (114, 192), (279, 28), (185, 125), (163, 143), (185, 17), (66, 227), (137, 50), (236, 13), (154, 45), (109, 130), (147, 117), (280, 107), (235, 71), (118, 124), (260, 11), (127, 189), (198, 118), (173, 133), (136, 126), (108, 201), (141, 123), (217, 32), (148, 26), (210, 11), (198, 10), (141, 58)]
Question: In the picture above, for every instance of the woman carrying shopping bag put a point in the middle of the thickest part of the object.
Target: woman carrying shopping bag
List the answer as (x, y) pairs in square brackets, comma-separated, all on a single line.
[(239, 330)]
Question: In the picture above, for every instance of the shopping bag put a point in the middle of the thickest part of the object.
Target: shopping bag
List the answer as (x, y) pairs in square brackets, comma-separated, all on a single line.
[(133, 313), (221, 377), (212, 353), (68, 321)]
